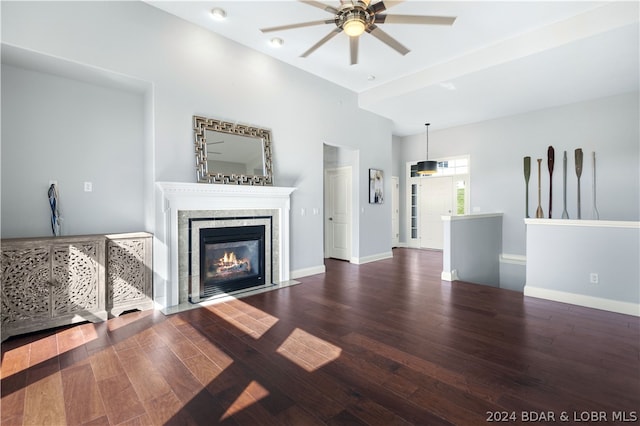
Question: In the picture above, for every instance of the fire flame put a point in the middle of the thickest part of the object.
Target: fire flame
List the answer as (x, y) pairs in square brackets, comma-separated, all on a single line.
[(229, 259)]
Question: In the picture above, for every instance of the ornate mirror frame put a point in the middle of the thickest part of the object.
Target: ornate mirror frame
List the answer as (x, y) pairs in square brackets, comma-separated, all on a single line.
[(204, 175)]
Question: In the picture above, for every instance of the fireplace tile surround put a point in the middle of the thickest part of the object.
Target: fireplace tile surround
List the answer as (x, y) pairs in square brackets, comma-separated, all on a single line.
[(210, 205), (190, 222)]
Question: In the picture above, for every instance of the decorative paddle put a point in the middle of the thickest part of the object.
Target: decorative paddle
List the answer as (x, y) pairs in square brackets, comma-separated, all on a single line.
[(596, 215), (539, 212), (550, 162), (565, 214), (578, 158), (527, 174)]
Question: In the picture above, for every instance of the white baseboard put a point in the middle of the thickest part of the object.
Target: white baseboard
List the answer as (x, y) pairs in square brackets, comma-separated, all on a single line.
[(583, 300), (372, 258), (401, 245), (305, 272), (449, 275)]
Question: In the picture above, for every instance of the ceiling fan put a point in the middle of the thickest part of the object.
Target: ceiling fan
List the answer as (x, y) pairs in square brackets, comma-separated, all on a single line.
[(354, 17)]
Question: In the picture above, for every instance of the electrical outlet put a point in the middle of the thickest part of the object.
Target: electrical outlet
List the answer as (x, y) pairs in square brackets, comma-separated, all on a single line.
[(593, 278), (88, 187)]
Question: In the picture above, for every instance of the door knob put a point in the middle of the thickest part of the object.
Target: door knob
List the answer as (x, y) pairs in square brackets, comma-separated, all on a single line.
[(330, 218)]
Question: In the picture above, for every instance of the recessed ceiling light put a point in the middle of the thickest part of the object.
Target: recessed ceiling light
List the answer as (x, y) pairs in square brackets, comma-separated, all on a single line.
[(218, 14), (371, 77), (276, 42)]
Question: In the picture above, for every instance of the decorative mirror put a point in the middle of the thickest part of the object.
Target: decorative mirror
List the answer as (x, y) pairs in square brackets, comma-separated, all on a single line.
[(232, 153)]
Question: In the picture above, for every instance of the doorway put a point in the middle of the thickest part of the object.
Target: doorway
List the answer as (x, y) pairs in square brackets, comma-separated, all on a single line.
[(337, 193), (429, 198), (435, 201)]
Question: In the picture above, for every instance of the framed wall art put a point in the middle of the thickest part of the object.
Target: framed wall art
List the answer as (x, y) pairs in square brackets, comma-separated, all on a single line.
[(376, 186)]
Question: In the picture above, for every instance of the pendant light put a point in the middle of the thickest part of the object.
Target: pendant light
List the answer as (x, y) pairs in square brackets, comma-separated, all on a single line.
[(427, 167)]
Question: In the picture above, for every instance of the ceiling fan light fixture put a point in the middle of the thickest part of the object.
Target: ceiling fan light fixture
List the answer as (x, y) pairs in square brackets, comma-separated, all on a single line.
[(354, 27)]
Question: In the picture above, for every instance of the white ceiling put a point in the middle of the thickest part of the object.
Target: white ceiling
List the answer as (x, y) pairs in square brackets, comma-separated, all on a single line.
[(499, 58)]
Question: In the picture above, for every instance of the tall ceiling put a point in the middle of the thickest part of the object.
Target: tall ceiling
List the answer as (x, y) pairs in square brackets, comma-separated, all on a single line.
[(499, 58)]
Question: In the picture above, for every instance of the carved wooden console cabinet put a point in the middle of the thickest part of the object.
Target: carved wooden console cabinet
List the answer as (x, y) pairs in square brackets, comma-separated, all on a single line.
[(54, 281)]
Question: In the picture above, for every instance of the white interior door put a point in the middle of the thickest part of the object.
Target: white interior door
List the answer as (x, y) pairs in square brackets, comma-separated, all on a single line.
[(338, 213), (436, 200), (395, 211)]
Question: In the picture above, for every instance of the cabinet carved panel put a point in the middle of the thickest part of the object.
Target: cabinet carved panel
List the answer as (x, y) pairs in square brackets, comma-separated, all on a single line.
[(25, 282), (129, 273), (48, 282), (75, 270)]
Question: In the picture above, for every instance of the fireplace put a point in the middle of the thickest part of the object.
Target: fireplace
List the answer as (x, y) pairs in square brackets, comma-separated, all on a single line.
[(231, 259), (185, 208)]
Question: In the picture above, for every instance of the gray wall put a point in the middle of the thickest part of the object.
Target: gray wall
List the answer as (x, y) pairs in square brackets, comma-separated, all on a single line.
[(472, 246), (69, 131), (193, 71), (608, 126), (561, 258)]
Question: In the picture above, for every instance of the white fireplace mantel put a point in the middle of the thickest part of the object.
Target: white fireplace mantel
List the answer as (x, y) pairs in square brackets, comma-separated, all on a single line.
[(172, 197)]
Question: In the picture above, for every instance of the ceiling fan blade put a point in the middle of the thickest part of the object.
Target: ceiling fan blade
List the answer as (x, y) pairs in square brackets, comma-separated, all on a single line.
[(412, 19), (353, 47), (319, 5), (299, 25), (387, 39), (321, 42), (381, 6)]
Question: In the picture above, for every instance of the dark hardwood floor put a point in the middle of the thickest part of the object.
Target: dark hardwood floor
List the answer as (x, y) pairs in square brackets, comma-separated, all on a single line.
[(385, 343)]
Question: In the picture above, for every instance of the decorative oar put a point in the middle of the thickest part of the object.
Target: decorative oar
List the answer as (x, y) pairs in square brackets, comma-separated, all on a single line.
[(565, 214), (596, 215), (527, 174), (578, 157), (550, 162), (539, 212)]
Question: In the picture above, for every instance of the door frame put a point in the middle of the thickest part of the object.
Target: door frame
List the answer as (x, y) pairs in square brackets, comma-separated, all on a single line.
[(416, 242), (327, 208), (395, 215)]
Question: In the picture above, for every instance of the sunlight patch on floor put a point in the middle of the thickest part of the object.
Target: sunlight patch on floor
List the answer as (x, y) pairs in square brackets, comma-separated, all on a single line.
[(253, 393), (308, 351), (244, 317)]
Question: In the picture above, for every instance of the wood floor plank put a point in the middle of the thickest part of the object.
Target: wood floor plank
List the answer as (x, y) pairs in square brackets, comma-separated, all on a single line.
[(174, 372), (15, 360), (120, 400), (44, 399), (106, 364), (167, 409), (386, 342), (143, 375), (83, 403)]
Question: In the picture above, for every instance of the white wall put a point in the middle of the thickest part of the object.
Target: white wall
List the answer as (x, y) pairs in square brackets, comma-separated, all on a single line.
[(608, 126), (65, 130), (196, 72)]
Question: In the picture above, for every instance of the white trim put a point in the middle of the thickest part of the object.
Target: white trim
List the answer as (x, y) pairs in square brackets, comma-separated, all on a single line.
[(618, 306), (402, 244), (471, 216), (372, 258), (449, 276), (585, 223), (513, 259), (305, 272)]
